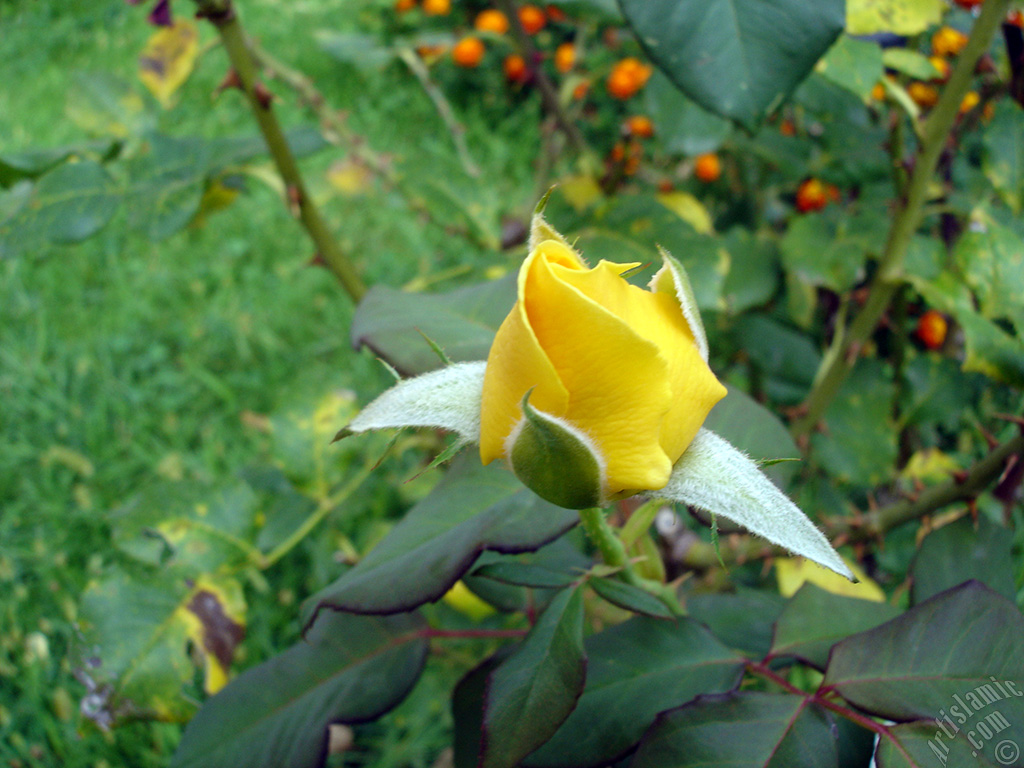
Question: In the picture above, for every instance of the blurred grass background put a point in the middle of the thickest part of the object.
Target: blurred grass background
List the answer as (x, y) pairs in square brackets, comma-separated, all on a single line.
[(123, 360)]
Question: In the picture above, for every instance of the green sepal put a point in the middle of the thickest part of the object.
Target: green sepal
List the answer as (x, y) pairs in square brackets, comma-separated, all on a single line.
[(555, 460), (540, 230)]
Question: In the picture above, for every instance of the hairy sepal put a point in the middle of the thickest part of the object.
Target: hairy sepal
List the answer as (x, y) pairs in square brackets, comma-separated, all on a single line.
[(556, 460), (448, 398), (720, 479), (540, 230), (672, 278)]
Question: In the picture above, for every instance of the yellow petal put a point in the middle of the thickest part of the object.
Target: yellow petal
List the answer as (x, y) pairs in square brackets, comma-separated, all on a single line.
[(657, 317), (619, 390), (515, 365)]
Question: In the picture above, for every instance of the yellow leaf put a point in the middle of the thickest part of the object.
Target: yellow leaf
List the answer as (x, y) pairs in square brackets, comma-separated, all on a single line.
[(465, 602), (580, 191), (901, 17), (168, 58), (349, 177), (214, 615), (792, 572), (689, 209), (931, 464)]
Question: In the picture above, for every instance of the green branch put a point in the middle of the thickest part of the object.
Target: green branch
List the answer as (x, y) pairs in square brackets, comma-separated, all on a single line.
[(613, 552), (221, 14), (839, 360)]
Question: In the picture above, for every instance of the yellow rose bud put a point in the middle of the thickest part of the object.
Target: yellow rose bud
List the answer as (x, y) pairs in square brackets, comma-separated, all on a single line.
[(618, 364)]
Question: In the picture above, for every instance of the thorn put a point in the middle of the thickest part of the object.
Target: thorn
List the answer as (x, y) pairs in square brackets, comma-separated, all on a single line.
[(317, 260), (972, 508), (231, 80), (961, 476), (294, 195), (262, 95), (989, 438)]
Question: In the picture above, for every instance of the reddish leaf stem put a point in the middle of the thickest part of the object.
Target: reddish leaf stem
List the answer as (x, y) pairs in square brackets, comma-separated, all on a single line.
[(820, 697)]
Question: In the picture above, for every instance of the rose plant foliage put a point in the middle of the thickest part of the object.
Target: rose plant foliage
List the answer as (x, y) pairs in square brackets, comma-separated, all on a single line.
[(601, 507)]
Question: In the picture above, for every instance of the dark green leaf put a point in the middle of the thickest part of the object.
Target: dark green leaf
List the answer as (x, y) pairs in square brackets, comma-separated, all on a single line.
[(820, 255), (961, 551), (757, 432), (814, 620), (166, 184), (525, 575), (740, 730), (463, 322), (858, 445), (636, 670), (787, 357), (926, 744), (532, 692), (474, 508), (736, 58), (468, 710), (630, 597), (743, 620), (347, 669), (684, 127), (754, 270), (35, 162), (67, 205), (952, 645)]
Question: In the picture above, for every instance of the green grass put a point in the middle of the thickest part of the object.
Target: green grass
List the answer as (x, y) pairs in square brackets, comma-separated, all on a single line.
[(123, 361)]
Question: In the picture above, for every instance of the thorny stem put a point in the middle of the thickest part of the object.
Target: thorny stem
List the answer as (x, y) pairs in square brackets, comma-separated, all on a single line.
[(614, 554), (838, 362), (876, 523), (221, 14), (820, 697)]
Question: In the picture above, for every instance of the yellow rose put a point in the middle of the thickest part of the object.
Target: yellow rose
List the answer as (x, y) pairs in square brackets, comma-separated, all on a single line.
[(617, 364)]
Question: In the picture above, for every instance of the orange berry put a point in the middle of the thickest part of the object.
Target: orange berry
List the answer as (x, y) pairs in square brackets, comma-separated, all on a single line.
[(925, 96), (491, 20), (640, 126), (565, 57), (581, 90), (514, 68), (468, 52), (811, 195), (556, 14), (787, 128), (970, 101), (627, 77), (878, 92), (948, 41), (532, 18), (401, 6), (931, 329), (707, 167)]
